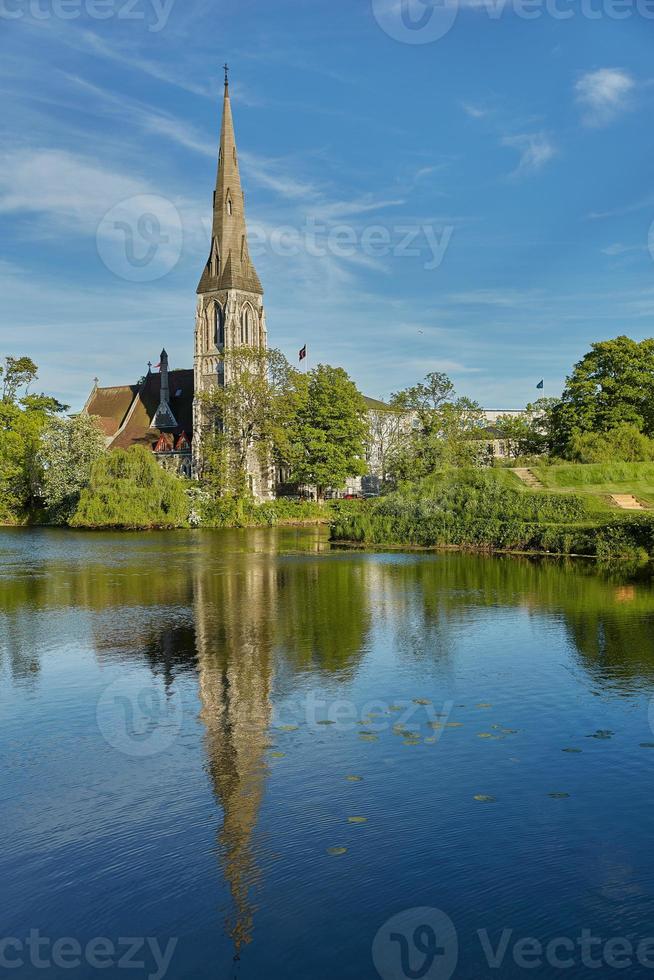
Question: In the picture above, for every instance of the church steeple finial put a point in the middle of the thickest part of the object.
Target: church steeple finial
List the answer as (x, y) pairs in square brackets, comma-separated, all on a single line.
[(226, 67)]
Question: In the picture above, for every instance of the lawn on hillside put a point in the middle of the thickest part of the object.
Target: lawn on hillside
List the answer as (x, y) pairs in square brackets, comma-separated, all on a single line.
[(600, 480)]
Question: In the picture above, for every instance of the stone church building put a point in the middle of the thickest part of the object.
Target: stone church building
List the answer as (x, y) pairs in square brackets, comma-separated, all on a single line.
[(162, 412)]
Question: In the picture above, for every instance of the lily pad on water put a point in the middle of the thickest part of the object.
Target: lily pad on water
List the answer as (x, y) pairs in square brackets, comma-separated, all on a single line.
[(484, 704), (336, 851), (485, 799), (422, 701), (485, 735), (431, 740), (368, 737), (277, 755), (396, 707), (411, 741), (289, 728), (357, 820), (454, 724), (354, 779), (326, 722), (559, 796), (647, 745), (602, 733), (572, 751), (436, 725)]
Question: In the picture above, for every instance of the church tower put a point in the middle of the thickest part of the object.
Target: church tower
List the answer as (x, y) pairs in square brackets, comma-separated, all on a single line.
[(230, 310)]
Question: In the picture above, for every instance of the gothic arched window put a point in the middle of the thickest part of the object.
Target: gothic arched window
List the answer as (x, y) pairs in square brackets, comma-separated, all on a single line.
[(230, 206), (246, 324), (219, 326), (215, 258)]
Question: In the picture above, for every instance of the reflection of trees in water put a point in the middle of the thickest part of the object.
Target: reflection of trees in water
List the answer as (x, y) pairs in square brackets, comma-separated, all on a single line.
[(20, 648), (608, 614), (322, 612)]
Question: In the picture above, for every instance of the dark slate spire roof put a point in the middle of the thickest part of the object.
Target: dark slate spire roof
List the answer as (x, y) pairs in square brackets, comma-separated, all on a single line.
[(229, 265)]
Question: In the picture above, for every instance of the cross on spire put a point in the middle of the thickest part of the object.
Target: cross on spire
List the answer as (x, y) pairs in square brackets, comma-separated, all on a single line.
[(226, 67)]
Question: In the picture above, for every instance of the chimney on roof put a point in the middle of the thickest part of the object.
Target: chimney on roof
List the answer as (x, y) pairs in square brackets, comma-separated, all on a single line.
[(164, 418), (165, 386)]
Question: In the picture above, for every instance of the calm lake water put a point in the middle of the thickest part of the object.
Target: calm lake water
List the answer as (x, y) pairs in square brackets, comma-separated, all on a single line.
[(180, 713)]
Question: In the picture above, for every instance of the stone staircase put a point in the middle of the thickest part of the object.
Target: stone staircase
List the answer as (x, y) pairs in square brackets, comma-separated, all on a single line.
[(529, 478), (627, 501)]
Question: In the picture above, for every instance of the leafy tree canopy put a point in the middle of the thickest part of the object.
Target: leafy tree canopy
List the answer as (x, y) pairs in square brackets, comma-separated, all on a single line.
[(22, 421), (248, 415), (69, 447), (613, 384), (16, 373), (129, 489), (328, 431), (446, 432)]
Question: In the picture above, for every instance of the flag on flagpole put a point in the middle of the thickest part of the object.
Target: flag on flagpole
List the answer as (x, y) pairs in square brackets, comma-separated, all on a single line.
[(541, 385), (303, 353)]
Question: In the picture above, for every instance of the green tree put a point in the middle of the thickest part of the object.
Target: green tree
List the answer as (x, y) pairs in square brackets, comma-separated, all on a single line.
[(16, 373), (247, 416), (529, 434), (611, 385), (328, 432), (129, 489), (426, 397), (625, 444), (22, 421), (446, 431), (69, 447)]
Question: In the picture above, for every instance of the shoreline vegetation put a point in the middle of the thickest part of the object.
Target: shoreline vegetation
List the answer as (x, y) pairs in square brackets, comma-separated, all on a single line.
[(456, 510), (572, 476), (482, 511)]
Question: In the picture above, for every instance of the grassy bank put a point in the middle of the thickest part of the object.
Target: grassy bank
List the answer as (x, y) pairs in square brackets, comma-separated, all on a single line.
[(235, 513), (478, 510), (600, 479)]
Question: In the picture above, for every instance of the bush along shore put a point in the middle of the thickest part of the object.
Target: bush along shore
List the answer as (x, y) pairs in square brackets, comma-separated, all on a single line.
[(475, 511)]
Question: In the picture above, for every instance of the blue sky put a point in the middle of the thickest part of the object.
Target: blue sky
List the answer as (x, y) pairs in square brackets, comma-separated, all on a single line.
[(478, 202)]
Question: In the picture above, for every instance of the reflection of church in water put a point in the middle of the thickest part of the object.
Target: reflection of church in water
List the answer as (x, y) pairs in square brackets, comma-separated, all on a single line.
[(234, 641)]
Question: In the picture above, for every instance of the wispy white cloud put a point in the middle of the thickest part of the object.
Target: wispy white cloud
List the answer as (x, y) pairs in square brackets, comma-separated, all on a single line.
[(644, 204), (475, 111), (73, 190), (535, 149), (617, 248), (508, 298), (88, 42), (604, 95), (274, 175)]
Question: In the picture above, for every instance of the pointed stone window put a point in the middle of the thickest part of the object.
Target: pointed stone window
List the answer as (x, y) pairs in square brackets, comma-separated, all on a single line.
[(215, 259), (247, 322), (219, 325), (230, 206)]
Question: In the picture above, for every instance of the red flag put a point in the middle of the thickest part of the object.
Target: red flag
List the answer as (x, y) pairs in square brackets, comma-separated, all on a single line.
[(303, 353)]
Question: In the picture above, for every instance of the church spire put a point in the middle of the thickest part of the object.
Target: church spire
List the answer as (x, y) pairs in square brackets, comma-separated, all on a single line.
[(229, 265)]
